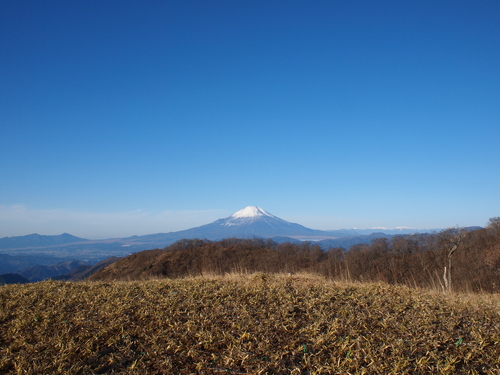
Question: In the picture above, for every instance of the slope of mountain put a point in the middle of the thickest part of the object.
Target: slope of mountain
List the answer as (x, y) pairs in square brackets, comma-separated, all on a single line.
[(12, 278), (85, 271), (195, 257), (39, 273)]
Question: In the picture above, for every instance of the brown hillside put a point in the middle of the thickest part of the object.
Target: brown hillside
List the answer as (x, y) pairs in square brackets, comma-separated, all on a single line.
[(133, 266), (85, 272), (195, 257)]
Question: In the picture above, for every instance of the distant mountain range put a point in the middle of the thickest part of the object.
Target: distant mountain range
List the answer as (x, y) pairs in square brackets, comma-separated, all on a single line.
[(36, 240), (25, 252)]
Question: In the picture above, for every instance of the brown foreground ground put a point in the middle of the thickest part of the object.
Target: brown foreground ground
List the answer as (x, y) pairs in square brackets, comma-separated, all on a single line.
[(245, 324)]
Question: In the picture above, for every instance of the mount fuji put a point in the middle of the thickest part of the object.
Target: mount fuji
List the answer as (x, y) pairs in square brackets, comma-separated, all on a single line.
[(252, 221)]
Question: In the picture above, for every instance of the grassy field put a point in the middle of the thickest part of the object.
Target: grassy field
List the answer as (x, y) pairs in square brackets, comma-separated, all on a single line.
[(245, 324)]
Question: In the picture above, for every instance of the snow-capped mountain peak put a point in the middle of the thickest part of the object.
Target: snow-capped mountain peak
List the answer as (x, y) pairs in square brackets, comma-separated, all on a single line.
[(250, 212), (252, 221)]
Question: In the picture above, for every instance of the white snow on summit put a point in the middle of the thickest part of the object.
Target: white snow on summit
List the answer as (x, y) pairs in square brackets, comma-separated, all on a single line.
[(250, 211), (248, 215)]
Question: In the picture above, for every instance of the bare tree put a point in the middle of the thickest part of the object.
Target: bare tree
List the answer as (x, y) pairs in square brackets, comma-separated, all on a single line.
[(456, 235)]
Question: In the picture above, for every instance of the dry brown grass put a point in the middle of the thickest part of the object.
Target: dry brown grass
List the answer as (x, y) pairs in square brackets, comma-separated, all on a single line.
[(244, 324)]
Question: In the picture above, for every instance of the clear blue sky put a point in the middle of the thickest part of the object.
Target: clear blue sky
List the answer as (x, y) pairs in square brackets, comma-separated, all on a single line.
[(129, 117)]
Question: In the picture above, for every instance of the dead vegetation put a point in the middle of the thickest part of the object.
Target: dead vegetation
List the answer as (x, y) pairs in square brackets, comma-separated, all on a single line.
[(245, 324)]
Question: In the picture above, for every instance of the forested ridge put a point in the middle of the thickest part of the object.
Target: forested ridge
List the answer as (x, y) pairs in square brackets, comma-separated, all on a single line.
[(453, 259)]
